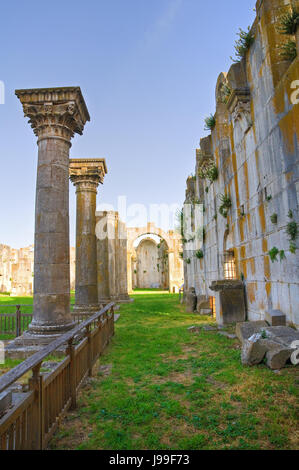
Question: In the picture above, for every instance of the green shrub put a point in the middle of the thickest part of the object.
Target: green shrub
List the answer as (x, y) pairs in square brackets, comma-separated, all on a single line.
[(288, 51), (292, 230), (213, 173), (288, 23), (274, 218), (282, 255), (210, 123), (243, 44), (199, 254), (225, 205), (226, 92), (293, 248), (273, 254)]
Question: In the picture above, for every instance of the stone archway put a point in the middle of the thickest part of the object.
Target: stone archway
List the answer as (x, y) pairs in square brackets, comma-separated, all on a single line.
[(170, 264)]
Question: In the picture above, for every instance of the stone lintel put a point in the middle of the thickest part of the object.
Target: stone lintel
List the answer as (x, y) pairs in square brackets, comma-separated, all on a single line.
[(58, 112), (226, 284), (82, 169)]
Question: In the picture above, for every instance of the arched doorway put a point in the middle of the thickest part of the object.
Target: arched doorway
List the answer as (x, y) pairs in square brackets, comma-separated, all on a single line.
[(150, 266), (169, 263)]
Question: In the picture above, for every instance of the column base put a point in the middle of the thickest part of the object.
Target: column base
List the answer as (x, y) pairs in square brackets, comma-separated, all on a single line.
[(86, 309), (124, 299), (42, 329), (27, 344)]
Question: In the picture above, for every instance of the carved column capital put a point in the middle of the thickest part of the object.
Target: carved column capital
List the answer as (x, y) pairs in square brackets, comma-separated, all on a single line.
[(54, 112), (87, 173)]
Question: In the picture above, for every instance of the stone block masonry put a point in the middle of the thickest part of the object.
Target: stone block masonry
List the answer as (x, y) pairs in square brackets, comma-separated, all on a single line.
[(254, 147)]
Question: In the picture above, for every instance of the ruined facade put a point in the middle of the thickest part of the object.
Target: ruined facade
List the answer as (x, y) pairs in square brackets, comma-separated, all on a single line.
[(153, 264), (17, 267), (111, 247), (246, 178)]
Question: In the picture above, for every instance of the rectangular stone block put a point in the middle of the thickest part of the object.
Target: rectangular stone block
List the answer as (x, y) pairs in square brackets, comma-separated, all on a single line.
[(275, 318)]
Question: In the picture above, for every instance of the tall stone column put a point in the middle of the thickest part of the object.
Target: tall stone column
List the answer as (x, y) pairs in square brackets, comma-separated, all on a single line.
[(107, 241), (122, 261), (55, 114), (86, 174)]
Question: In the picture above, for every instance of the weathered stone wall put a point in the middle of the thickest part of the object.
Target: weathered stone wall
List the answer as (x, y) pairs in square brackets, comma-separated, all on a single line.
[(111, 257), (254, 145)]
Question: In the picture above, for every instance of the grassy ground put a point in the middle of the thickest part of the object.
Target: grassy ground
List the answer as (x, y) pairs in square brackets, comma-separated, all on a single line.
[(161, 387)]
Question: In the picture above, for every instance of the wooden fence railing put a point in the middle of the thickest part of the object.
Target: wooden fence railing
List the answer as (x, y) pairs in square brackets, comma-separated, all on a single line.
[(15, 323), (33, 419)]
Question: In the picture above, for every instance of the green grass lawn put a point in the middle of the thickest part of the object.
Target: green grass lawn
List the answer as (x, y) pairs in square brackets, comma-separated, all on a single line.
[(161, 387)]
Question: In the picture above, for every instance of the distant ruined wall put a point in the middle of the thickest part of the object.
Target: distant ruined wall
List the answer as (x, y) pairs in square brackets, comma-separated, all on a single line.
[(255, 147), (16, 270)]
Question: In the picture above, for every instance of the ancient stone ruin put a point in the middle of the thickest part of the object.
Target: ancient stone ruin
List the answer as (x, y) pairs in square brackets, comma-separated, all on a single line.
[(242, 261)]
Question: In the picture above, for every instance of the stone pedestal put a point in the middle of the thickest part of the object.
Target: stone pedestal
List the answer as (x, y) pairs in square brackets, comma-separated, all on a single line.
[(86, 174), (191, 300), (55, 114), (230, 301)]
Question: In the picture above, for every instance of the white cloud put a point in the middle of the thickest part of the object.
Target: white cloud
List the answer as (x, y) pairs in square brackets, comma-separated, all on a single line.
[(163, 23)]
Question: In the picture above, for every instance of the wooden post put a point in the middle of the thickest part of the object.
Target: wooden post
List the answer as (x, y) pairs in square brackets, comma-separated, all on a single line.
[(35, 384), (73, 385), (112, 320), (18, 321), (89, 351)]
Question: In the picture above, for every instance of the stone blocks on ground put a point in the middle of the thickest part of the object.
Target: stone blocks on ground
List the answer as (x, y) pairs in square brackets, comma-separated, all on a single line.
[(245, 330), (276, 318), (275, 344)]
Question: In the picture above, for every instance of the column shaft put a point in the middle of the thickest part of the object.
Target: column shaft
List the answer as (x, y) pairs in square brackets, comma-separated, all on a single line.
[(86, 261), (51, 303)]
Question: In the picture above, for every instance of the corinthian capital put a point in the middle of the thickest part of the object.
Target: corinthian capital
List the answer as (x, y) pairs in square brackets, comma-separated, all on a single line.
[(87, 173), (59, 112)]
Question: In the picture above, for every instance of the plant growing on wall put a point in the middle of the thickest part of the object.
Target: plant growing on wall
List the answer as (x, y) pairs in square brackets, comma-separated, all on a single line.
[(292, 230), (188, 260), (207, 189), (181, 255), (290, 214), (243, 44), (273, 254), (293, 248), (212, 173), (199, 254), (288, 22), (226, 204), (225, 92), (274, 218), (210, 123), (282, 255), (288, 51)]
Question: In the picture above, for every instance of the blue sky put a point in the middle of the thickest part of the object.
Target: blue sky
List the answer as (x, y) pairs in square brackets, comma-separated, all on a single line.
[(147, 70)]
